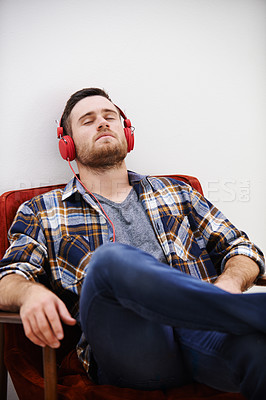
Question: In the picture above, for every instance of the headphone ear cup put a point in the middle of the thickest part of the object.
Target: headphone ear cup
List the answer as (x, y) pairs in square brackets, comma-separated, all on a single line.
[(129, 133), (129, 138), (67, 148)]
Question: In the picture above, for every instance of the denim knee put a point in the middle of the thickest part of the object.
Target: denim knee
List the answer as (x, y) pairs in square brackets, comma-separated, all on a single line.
[(105, 264), (107, 257)]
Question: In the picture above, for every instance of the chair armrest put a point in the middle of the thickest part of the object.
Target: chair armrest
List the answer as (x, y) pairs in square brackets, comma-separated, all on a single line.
[(261, 281), (8, 317)]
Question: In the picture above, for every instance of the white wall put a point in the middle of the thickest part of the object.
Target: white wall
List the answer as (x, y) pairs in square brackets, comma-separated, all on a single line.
[(189, 73)]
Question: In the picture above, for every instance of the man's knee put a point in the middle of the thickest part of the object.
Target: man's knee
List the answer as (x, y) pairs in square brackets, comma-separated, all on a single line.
[(107, 256), (108, 251), (106, 262)]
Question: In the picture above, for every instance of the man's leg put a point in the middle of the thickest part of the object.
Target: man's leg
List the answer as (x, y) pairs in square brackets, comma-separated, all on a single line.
[(130, 351), (227, 362), (131, 280)]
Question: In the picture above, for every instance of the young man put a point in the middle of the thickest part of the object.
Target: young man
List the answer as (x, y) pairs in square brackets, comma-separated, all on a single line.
[(150, 269)]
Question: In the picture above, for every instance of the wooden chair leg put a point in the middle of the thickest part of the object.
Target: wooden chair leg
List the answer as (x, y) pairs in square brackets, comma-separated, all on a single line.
[(3, 371), (49, 362), (50, 373)]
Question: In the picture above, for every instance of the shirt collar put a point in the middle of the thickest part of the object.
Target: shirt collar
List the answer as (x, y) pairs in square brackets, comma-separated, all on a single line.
[(74, 186), (135, 178), (70, 189)]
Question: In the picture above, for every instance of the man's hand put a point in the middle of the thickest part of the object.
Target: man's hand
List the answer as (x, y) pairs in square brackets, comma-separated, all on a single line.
[(41, 314), (239, 274), (41, 311)]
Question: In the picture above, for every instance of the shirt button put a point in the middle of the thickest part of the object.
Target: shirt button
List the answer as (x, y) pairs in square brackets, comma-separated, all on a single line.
[(111, 239)]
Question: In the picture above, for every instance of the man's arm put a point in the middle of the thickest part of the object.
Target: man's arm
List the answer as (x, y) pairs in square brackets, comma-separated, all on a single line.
[(41, 311), (239, 274), (236, 259)]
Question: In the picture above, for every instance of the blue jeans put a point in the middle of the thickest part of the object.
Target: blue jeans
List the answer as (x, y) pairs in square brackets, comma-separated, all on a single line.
[(153, 327)]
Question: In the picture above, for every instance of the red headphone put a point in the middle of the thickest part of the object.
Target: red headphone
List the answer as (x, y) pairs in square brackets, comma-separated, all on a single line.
[(67, 146)]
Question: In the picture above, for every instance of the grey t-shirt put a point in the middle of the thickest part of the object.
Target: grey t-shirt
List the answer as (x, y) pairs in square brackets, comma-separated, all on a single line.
[(132, 225)]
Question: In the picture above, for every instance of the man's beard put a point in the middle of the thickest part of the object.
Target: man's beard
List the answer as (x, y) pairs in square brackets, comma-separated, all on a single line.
[(103, 158)]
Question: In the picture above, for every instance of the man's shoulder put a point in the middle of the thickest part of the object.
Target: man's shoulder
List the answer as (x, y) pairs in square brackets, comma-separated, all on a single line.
[(43, 201), (158, 181), (164, 186), (50, 198), (50, 194), (167, 181)]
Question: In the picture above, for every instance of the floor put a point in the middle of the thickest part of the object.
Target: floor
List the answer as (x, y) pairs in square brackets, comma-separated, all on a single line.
[(11, 393)]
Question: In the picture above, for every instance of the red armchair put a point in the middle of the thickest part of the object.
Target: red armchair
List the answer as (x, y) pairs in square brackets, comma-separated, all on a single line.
[(61, 375)]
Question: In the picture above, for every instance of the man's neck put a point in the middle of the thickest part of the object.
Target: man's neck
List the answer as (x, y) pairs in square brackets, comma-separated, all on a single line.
[(111, 183)]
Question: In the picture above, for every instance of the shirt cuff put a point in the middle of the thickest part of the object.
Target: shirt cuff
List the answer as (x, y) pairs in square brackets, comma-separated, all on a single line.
[(256, 256)]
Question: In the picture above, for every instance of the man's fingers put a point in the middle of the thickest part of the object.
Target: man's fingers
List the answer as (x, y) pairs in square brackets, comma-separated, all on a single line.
[(65, 314), (53, 316), (31, 335), (44, 329), (51, 325), (48, 328)]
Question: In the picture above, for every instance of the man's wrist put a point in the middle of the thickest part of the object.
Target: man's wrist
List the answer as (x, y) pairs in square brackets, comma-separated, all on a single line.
[(239, 274), (228, 284)]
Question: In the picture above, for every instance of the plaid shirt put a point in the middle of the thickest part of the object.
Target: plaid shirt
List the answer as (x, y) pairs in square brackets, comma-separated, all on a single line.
[(54, 235)]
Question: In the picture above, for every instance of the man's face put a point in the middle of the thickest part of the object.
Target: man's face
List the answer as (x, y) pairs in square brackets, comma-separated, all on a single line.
[(98, 133)]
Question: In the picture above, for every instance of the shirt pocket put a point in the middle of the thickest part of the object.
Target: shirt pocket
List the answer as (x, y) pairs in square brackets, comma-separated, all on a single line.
[(182, 239), (72, 258)]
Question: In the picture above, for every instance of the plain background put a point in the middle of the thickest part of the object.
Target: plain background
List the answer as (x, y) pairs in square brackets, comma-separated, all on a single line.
[(190, 74)]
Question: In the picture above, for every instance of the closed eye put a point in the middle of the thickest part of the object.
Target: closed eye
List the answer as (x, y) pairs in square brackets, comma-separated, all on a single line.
[(110, 115)]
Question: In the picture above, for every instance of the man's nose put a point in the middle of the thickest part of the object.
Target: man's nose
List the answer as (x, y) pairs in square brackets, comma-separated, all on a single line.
[(102, 123)]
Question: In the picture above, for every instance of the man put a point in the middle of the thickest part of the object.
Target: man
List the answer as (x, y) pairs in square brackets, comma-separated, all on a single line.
[(149, 320)]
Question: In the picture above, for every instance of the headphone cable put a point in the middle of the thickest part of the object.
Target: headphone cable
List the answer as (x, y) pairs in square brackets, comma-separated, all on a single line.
[(95, 198)]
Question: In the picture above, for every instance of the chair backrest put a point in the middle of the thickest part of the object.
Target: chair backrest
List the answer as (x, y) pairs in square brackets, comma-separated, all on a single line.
[(10, 201)]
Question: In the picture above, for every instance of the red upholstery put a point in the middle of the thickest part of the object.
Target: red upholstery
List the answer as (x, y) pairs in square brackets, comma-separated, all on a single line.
[(9, 203), (24, 360)]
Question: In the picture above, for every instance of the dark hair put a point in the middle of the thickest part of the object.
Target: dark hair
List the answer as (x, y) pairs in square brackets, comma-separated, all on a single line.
[(73, 100)]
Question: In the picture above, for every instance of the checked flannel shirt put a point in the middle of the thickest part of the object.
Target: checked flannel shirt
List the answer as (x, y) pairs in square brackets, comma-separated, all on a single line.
[(54, 235)]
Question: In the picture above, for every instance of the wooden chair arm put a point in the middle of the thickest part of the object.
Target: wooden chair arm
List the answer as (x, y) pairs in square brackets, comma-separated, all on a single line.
[(49, 361), (8, 317), (261, 281)]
